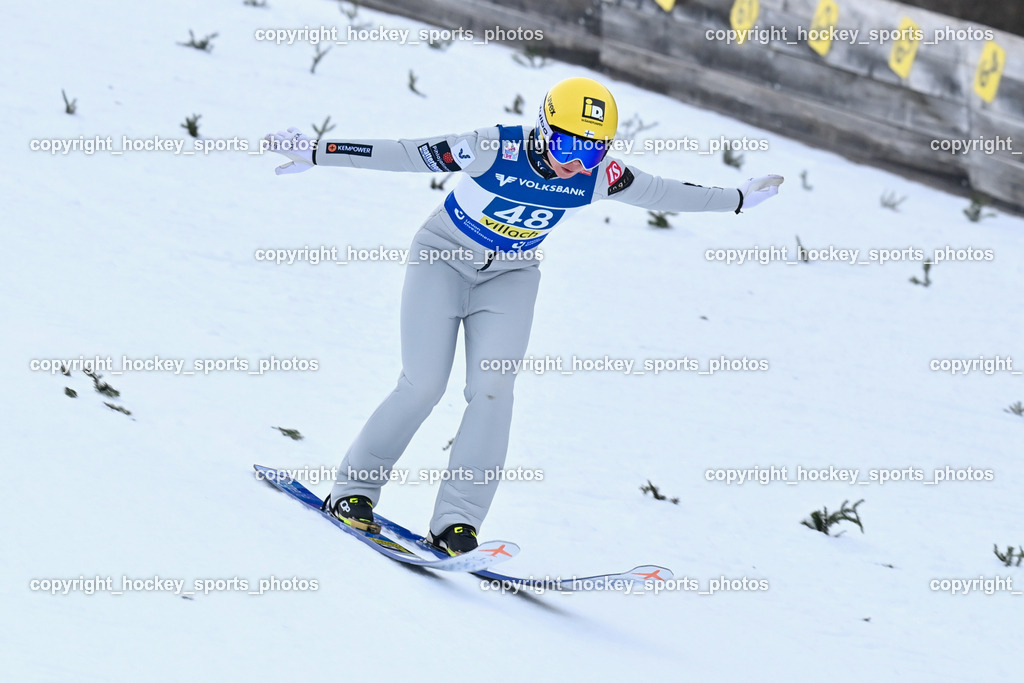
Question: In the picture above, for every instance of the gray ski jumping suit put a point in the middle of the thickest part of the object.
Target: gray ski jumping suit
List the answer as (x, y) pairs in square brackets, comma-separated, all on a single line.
[(488, 228)]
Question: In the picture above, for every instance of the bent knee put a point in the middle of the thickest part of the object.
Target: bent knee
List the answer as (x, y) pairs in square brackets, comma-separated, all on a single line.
[(499, 388), (425, 391)]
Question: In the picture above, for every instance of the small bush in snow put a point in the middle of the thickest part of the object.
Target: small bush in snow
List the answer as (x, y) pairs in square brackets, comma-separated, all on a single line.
[(926, 282), (890, 201), (631, 127), (656, 494), (517, 105), (317, 56), (69, 107), (324, 128), (801, 252), (729, 158), (412, 83), (120, 409), (192, 124), (101, 386), (1009, 556), (441, 45), (204, 44), (532, 57), (292, 434), (975, 212), (659, 219), (822, 520), (350, 10), (436, 184)]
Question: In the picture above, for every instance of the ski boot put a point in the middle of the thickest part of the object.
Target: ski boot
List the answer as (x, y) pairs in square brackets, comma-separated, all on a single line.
[(455, 540), (356, 511)]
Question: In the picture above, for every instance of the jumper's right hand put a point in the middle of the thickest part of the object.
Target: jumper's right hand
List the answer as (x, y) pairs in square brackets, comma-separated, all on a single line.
[(294, 145)]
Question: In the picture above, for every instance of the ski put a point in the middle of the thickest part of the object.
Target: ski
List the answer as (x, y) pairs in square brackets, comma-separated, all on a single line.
[(402, 545), (408, 547), (579, 584), (574, 584)]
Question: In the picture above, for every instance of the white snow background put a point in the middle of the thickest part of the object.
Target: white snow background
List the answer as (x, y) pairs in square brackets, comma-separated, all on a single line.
[(152, 254)]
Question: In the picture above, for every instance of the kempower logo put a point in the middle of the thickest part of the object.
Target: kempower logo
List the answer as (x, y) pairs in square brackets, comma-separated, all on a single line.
[(593, 109), (351, 148), (504, 180)]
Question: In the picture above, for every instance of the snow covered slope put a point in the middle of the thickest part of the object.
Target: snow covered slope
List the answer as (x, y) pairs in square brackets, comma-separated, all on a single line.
[(152, 254)]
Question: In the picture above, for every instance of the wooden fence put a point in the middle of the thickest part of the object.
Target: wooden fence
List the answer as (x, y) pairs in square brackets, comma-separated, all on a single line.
[(894, 101)]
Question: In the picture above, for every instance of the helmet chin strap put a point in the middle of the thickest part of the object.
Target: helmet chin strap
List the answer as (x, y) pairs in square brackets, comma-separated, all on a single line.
[(536, 143), (536, 152)]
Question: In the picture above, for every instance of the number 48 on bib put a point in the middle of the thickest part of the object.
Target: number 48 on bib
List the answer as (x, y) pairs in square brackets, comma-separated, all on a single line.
[(519, 221)]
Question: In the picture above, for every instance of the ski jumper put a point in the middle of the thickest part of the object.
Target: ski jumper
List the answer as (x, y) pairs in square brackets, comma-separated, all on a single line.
[(505, 205)]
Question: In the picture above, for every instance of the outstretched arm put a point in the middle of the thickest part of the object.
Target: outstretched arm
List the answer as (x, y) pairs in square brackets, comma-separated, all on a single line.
[(470, 152), (626, 183)]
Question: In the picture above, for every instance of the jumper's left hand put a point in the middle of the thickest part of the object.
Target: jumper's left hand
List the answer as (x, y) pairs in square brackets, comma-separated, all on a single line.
[(756, 190)]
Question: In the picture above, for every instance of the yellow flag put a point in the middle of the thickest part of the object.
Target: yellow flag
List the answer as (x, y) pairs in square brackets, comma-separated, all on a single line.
[(666, 5), (825, 18), (901, 59), (990, 71), (743, 17)]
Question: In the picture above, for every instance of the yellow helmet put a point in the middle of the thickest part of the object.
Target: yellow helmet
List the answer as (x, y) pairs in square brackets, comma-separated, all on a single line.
[(578, 119)]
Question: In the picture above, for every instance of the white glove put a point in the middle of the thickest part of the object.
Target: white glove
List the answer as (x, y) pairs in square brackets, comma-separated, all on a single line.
[(294, 145), (756, 190)]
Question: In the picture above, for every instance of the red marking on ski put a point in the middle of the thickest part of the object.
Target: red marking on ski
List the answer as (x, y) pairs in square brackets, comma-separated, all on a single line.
[(655, 575), (500, 550)]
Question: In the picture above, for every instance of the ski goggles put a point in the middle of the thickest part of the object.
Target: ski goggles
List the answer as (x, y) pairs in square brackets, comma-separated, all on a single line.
[(566, 147)]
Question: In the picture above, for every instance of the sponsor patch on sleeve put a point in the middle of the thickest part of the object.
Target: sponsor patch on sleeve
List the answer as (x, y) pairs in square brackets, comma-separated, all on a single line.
[(428, 158), (439, 157), (614, 172), (624, 180), (351, 148), (463, 153)]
